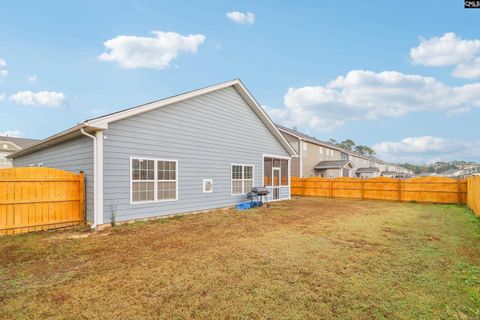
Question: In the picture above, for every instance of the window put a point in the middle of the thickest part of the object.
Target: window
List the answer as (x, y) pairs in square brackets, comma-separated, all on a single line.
[(153, 180), (5, 146), (320, 150), (242, 178), (167, 180)]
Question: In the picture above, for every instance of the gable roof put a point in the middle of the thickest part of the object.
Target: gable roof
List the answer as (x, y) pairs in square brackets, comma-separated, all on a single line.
[(101, 123), (19, 142), (333, 164), (450, 171)]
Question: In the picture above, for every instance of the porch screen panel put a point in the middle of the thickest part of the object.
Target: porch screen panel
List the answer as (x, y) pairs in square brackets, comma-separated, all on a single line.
[(267, 171)]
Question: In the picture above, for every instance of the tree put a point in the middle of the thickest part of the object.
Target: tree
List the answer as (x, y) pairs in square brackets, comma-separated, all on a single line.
[(333, 141), (347, 144), (365, 150)]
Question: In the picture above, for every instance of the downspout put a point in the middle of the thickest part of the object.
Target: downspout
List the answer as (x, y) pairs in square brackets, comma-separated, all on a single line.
[(301, 158), (95, 180)]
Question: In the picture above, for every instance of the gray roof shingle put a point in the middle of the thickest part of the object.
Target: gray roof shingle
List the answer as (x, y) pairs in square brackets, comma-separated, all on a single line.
[(21, 142), (331, 164)]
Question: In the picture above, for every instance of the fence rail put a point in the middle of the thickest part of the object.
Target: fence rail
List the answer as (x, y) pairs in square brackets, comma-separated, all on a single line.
[(422, 189), (33, 199), (473, 198)]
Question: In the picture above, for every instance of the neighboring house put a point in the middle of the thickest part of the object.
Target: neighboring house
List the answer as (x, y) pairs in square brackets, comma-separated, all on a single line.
[(9, 145), (195, 151), (315, 156), (365, 166), (452, 173), (395, 171), (427, 174), (460, 173), (323, 159), (334, 168), (367, 172)]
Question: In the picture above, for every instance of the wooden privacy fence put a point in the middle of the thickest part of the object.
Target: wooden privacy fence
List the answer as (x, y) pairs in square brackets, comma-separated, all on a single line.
[(34, 199), (422, 189), (473, 198)]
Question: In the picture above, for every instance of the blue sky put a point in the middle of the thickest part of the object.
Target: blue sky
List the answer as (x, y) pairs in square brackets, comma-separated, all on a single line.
[(419, 106)]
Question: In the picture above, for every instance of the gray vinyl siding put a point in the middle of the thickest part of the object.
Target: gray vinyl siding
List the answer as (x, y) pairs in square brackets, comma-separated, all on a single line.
[(75, 155), (205, 135)]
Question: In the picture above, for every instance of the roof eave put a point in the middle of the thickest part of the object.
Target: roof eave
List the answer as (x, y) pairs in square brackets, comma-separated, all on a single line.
[(63, 136)]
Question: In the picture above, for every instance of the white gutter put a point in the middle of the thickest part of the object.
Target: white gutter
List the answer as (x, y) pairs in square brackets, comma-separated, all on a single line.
[(301, 157), (95, 180)]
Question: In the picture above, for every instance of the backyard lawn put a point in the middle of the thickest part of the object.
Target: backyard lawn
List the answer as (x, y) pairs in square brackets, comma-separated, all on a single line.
[(308, 258)]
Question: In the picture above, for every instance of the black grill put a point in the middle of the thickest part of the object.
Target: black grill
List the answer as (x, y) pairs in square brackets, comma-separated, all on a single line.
[(256, 196)]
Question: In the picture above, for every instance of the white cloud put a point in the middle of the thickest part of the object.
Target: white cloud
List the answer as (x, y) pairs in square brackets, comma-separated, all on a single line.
[(3, 72), (454, 112), (241, 18), (2, 97), (33, 78), (12, 133), (150, 52), (449, 50), (42, 98), (427, 149), (467, 70), (368, 95)]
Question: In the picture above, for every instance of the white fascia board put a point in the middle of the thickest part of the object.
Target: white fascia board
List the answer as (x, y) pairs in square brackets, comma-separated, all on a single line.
[(264, 116)]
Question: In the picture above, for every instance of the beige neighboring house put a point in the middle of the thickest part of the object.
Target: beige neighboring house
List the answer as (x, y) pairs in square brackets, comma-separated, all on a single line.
[(9, 145), (390, 170), (315, 157), (323, 159)]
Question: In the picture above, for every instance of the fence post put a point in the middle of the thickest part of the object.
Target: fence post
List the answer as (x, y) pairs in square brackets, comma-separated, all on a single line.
[(331, 187), (81, 192), (302, 184)]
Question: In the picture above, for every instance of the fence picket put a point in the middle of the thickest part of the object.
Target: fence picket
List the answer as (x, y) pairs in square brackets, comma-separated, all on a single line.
[(34, 199), (421, 189)]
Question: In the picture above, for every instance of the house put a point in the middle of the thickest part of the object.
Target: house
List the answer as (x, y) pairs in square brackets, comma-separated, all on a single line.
[(395, 171), (460, 173), (9, 145), (195, 151), (316, 157), (365, 166), (427, 174), (323, 159), (452, 173)]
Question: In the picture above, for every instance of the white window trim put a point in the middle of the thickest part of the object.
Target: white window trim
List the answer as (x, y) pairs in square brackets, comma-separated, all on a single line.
[(203, 186), (243, 184), (155, 180)]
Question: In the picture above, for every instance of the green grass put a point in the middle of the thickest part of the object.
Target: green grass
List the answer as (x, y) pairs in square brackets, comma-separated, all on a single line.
[(308, 258)]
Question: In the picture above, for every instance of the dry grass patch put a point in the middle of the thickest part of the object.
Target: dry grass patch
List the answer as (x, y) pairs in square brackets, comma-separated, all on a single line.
[(300, 259)]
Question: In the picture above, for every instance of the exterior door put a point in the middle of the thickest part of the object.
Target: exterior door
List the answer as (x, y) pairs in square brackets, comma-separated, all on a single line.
[(276, 183)]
